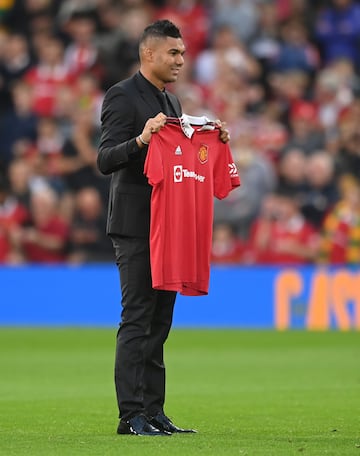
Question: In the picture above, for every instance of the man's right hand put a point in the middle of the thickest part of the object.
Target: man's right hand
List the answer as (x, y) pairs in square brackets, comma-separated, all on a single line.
[(153, 125)]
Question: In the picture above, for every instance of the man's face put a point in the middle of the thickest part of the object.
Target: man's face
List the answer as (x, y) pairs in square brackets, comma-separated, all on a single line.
[(166, 59)]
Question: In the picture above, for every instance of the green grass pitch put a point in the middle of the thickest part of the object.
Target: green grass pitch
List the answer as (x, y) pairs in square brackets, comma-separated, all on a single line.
[(256, 393)]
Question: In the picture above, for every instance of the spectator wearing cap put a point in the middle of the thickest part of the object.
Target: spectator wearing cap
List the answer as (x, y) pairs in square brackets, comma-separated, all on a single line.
[(305, 132)]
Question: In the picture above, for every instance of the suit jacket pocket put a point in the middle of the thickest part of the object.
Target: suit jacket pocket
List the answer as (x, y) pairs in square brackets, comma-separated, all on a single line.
[(129, 210)]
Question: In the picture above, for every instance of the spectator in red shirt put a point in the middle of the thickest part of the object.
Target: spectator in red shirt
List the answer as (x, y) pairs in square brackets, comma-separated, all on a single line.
[(12, 215), (48, 76), (81, 54), (227, 248), (281, 234), (192, 18), (45, 240)]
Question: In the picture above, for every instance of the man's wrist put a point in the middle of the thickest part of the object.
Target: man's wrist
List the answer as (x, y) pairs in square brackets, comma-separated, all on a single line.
[(140, 138)]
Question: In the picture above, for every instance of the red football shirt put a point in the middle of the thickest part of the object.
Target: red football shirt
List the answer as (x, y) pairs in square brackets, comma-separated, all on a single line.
[(186, 173)]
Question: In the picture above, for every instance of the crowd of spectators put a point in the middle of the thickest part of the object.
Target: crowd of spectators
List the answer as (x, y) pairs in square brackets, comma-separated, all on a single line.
[(283, 74)]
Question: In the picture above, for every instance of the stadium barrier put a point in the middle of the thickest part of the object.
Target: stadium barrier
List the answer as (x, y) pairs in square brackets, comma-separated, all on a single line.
[(239, 297)]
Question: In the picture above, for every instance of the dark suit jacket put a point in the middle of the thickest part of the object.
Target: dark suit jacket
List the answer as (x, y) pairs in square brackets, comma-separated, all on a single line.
[(126, 108)]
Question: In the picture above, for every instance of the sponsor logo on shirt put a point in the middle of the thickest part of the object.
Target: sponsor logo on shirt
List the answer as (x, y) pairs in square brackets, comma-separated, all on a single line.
[(181, 173), (178, 151), (203, 153), (233, 170), (177, 173)]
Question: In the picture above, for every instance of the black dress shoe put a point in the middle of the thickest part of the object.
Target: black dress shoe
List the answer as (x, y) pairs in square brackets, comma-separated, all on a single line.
[(139, 425), (162, 422)]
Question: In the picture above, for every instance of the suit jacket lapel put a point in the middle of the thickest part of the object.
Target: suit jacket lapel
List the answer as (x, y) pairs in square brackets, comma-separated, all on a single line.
[(147, 95)]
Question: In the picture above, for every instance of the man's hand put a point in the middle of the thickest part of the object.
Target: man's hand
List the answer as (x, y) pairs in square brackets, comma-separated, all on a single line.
[(224, 132), (153, 125)]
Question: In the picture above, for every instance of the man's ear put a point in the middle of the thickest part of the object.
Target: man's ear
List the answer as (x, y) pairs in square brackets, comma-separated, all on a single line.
[(148, 54)]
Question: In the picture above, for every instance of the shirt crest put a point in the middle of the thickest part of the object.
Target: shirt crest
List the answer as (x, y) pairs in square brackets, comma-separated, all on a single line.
[(203, 153)]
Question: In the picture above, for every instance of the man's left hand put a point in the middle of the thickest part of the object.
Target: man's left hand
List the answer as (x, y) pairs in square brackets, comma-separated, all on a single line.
[(224, 132)]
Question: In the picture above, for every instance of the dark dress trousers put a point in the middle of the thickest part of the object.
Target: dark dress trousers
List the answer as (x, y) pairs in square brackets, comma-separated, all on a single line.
[(146, 315)]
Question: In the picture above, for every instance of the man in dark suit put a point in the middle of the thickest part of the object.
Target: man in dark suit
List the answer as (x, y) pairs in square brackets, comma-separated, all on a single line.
[(132, 111)]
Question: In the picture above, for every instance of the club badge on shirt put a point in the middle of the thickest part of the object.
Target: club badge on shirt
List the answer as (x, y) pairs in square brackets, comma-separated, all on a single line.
[(203, 153)]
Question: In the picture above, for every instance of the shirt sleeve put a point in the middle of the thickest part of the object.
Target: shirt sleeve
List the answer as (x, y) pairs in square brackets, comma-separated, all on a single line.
[(154, 166), (226, 176)]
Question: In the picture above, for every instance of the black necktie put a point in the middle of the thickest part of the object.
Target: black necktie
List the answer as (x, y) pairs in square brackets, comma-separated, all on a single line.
[(164, 103)]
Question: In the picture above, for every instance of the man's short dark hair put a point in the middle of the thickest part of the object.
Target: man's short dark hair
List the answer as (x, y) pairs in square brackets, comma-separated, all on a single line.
[(161, 29)]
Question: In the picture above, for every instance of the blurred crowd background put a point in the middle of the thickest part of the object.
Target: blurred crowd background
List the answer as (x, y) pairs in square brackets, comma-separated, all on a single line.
[(283, 74)]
